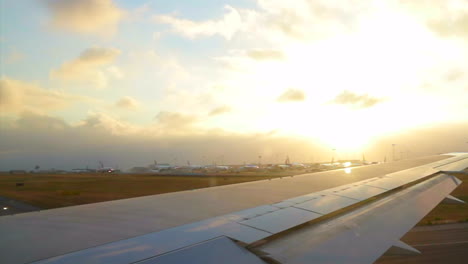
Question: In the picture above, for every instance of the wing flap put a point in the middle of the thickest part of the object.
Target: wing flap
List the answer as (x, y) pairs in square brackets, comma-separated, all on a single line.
[(362, 235), (215, 251), (163, 242), (326, 204), (281, 220)]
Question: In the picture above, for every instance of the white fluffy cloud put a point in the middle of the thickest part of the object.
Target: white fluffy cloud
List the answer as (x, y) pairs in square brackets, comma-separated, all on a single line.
[(85, 16), (274, 19), (89, 67), (227, 26)]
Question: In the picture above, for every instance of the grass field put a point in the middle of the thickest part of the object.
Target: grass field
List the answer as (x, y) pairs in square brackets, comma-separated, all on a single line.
[(53, 191), (59, 190)]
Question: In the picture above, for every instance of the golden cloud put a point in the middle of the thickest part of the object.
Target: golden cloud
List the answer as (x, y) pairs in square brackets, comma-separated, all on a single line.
[(100, 135), (175, 122), (18, 96), (355, 100), (292, 95), (446, 18), (220, 110), (265, 54), (88, 67), (128, 103), (85, 16)]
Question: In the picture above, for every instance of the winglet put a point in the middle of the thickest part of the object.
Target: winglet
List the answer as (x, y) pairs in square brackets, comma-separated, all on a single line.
[(451, 174), (401, 248), (457, 181), (452, 200)]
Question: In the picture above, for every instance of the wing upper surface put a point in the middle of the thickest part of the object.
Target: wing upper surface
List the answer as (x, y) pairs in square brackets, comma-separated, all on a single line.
[(272, 219)]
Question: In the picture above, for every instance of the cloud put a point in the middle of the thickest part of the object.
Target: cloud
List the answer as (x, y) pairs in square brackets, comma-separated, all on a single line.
[(355, 100), (40, 122), (175, 122), (226, 27), (446, 18), (128, 103), (309, 19), (264, 54), (88, 67), (85, 16), (101, 137), (115, 72), (454, 75), (292, 95), (220, 110), (274, 20), (18, 96), (456, 26), (104, 123)]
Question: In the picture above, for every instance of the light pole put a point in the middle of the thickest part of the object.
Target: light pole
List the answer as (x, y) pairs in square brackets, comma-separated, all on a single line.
[(393, 151)]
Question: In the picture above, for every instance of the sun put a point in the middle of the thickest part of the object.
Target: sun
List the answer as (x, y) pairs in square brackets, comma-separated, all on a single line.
[(344, 137), (333, 127)]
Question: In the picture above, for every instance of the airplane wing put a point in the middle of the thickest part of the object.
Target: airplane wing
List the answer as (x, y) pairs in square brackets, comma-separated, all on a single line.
[(342, 216)]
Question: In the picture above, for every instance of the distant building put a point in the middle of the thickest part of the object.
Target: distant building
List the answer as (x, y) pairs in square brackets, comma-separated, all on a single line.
[(17, 172), (139, 170)]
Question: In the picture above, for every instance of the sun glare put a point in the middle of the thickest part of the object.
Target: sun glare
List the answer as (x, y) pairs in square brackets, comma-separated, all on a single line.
[(324, 69), (344, 137)]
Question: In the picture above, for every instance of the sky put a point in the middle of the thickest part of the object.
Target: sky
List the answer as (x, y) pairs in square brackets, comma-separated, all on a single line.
[(129, 82)]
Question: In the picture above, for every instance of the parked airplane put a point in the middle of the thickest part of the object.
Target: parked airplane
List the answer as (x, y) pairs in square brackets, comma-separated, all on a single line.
[(297, 166), (249, 167), (161, 167), (283, 166), (217, 168), (287, 220), (191, 167)]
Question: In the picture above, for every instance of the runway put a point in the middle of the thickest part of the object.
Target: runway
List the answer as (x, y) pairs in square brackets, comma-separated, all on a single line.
[(438, 244), (9, 207)]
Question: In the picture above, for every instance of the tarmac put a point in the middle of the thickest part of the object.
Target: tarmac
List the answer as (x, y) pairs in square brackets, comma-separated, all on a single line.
[(438, 244), (10, 207)]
